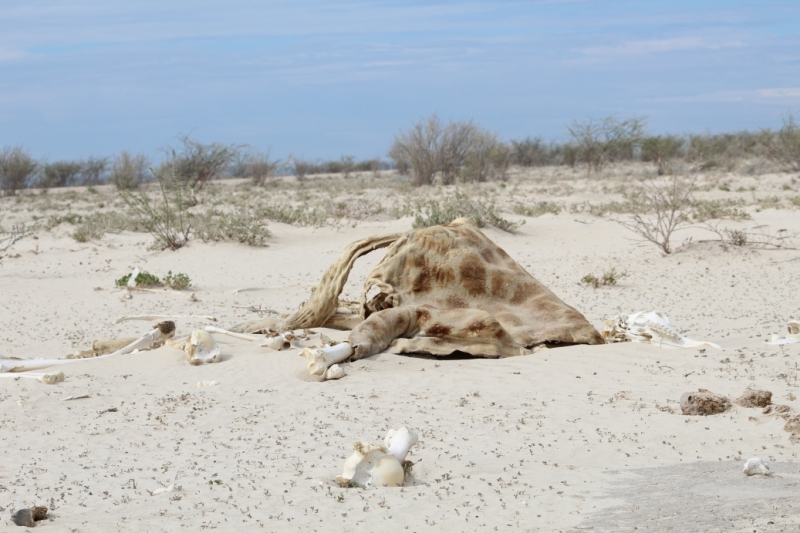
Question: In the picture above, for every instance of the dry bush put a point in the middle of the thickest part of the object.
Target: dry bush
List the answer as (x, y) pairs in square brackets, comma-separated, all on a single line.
[(59, 174), (16, 169), (436, 213), (487, 160), (598, 142), (662, 150), (197, 164), (242, 225), (785, 146), (757, 237), (727, 150), (261, 168), (93, 170), (128, 171), (9, 238), (663, 208), (419, 150)]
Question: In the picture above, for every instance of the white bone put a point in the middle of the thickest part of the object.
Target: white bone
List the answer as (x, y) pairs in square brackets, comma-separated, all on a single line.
[(164, 317), (202, 348), (171, 488), (132, 279), (653, 327), (319, 359), (201, 384), (50, 378), (277, 342), (334, 372), (371, 466), (794, 334), (146, 342), (243, 336), (756, 465), (399, 441)]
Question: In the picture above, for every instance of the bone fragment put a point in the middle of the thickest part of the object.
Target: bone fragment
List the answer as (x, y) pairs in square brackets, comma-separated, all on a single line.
[(201, 384), (373, 465), (50, 378), (794, 334), (278, 342), (202, 348), (132, 279), (319, 359), (243, 336), (78, 397), (172, 488), (653, 327), (165, 317), (399, 441), (162, 331), (756, 465), (334, 372), (754, 398)]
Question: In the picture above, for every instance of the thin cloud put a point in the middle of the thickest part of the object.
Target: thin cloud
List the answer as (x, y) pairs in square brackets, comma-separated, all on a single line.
[(656, 46)]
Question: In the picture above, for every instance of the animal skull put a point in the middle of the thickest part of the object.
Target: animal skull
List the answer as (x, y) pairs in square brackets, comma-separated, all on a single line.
[(653, 327), (793, 336)]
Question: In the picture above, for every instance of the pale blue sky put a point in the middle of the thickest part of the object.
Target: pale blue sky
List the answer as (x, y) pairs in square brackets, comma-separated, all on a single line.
[(323, 79)]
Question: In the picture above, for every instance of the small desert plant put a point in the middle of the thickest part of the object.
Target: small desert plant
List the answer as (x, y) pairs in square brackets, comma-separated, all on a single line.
[(609, 277), (143, 279), (165, 218), (16, 169), (177, 281), (599, 142), (434, 213), (16, 233), (703, 210), (668, 203), (785, 146), (243, 225), (128, 171), (419, 150), (537, 209), (302, 215), (93, 170)]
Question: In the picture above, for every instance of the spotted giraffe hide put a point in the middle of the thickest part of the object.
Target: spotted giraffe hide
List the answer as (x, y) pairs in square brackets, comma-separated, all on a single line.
[(441, 290)]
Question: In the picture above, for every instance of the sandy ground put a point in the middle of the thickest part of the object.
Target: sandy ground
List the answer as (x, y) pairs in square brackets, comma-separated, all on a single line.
[(571, 439)]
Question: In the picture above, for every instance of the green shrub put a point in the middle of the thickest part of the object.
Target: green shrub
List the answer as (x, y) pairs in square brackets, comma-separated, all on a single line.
[(143, 279), (177, 281), (241, 225), (537, 209), (610, 277), (16, 169)]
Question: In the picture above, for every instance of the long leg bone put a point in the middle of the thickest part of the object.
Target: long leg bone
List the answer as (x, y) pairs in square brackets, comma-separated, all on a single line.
[(243, 336), (319, 359), (165, 317), (50, 378), (162, 331)]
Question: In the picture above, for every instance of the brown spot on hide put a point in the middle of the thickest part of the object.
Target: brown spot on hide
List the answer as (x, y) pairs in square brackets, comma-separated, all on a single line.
[(473, 275), (454, 302), (438, 330), (488, 255), (500, 282), (524, 292), (423, 315), (510, 319), (422, 282)]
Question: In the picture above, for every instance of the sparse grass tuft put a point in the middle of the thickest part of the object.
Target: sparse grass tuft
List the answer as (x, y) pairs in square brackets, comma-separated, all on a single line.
[(537, 209), (177, 281), (609, 277), (435, 213), (143, 279), (242, 225)]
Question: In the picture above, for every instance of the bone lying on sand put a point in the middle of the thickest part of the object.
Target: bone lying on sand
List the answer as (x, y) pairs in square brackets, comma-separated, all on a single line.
[(200, 346), (792, 337), (318, 360), (50, 378), (756, 465), (375, 465), (29, 517), (653, 328), (156, 337)]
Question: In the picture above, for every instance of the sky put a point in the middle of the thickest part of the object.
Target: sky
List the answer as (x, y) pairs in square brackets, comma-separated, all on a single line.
[(322, 79)]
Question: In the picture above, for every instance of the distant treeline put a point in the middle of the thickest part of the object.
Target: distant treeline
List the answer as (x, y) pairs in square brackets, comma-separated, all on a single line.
[(430, 151)]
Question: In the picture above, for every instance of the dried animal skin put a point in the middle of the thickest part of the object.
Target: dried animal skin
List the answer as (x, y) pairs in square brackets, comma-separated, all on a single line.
[(653, 327), (754, 398), (318, 360), (704, 402), (756, 465), (29, 517), (156, 337)]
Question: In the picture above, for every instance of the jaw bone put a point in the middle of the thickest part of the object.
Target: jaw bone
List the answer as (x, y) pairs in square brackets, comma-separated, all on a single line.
[(653, 327), (373, 465), (157, 336), (318, 360), (794, 334)]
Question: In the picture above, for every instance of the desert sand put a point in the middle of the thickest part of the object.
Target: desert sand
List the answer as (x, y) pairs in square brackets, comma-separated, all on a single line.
[(578, 438)]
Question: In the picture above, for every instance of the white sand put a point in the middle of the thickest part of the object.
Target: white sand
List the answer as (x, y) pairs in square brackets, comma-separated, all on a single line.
[(553, 441)]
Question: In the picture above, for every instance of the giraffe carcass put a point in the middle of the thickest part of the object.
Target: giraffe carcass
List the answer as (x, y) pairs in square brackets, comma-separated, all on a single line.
[(439, 290)]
